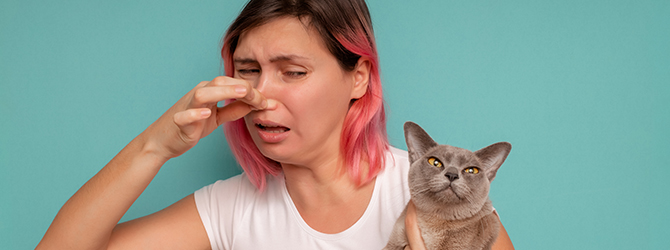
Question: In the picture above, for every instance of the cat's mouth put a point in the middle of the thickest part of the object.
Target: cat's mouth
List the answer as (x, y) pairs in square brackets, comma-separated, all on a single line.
[(451, 189), (448, 189)]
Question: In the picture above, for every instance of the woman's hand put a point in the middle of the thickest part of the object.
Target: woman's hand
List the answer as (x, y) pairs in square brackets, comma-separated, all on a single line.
[(196, 115), (412, 229)]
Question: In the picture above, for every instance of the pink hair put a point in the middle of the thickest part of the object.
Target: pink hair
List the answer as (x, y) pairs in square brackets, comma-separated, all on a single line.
[(364, 131), (364, 135)]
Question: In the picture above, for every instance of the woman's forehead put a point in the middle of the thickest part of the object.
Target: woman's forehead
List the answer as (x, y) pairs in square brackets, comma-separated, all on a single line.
[(280, 38)]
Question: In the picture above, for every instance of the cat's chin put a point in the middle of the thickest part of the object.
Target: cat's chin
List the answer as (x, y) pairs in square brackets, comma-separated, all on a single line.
[(438, 199), (448, 204), (455, 211), (448, 195)]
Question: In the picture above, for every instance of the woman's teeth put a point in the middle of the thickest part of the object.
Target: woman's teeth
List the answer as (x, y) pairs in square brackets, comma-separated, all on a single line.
[(272, 129)]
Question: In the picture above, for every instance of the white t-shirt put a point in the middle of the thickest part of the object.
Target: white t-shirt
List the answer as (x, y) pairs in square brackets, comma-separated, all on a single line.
[(237, 216)]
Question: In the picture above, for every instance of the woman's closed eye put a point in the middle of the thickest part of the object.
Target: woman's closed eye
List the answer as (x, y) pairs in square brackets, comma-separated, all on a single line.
[(295, 74), (248, 72)]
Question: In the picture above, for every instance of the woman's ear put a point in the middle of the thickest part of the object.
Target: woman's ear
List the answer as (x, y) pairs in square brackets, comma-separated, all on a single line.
[(361, 75)]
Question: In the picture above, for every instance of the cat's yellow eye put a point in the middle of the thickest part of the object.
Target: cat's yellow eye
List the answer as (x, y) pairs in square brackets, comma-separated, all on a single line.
[(471, 170), (435, 162)]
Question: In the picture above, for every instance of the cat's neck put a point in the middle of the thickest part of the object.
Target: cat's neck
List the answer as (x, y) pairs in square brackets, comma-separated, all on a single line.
[(438, 218)]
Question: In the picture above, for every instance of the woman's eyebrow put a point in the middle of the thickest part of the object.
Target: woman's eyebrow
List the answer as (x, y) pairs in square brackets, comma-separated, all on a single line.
[(245, 61), (284, 58), (279, 58)]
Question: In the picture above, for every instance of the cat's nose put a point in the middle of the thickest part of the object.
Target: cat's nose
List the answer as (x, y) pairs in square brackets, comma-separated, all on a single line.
[(452, 174)]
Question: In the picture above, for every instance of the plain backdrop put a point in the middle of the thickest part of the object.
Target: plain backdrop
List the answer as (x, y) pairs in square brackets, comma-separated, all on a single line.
[(580, 88)]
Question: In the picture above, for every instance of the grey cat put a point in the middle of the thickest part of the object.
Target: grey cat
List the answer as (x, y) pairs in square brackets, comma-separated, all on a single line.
[(449, 188)]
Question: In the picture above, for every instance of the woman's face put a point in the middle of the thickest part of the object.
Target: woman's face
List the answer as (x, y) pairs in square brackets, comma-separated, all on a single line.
[(307, 91)]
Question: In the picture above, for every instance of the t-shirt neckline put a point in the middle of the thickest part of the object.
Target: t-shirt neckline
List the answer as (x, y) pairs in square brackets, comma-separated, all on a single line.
[(325, 236)]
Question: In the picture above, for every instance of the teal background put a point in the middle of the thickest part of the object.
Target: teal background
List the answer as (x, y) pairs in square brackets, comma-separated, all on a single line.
[(580, 88)]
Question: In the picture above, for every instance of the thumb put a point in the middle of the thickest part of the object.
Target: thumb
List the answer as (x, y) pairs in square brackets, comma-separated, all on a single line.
[(231, 112)]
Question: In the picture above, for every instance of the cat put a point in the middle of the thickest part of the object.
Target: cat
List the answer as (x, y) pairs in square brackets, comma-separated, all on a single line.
[(449, 187)]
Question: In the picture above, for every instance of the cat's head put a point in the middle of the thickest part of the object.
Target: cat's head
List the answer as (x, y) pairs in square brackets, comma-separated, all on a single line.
[(450, 181)]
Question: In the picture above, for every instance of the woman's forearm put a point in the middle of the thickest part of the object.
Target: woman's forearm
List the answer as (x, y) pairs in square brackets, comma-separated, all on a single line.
[(89, 216)]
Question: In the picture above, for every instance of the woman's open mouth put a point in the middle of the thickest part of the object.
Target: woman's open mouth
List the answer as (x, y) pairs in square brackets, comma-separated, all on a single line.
[(271, 132), (272, 128)]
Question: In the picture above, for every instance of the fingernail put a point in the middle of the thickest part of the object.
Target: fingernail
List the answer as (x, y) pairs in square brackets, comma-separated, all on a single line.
[(205, 113), (241, 90), (264, 104), (271, 104)]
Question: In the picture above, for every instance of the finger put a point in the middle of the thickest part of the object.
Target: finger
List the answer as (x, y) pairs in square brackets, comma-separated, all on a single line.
[(213, 94), (187, 117), (225, 80), (202, 84), (252, 97), (255, 99), (412, 228), (231, 112)]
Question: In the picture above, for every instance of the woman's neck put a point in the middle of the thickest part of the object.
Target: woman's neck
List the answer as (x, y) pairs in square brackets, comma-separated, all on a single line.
[(328, 199)]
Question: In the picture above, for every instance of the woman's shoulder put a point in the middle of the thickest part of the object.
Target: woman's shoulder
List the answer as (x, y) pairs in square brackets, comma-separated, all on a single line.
[(233, 184), (240, 186), (397, 160), (397, 167), (231, 197), (394, 189), (398, 153)]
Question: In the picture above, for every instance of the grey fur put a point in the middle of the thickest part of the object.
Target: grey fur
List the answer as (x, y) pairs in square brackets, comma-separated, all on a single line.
[(451, 214)]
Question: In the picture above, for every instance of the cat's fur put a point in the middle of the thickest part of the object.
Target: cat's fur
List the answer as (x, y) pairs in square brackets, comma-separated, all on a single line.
[(453, 207)]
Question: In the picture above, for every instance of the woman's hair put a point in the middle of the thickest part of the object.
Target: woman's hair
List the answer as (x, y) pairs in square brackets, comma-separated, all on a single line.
[(346, 29)]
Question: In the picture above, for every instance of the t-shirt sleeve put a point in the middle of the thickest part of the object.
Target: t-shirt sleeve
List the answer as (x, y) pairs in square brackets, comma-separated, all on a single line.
[(216, 204)]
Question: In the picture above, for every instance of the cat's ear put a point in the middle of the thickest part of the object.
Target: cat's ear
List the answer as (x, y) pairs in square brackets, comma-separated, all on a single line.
[(492, 157), (418, 141)]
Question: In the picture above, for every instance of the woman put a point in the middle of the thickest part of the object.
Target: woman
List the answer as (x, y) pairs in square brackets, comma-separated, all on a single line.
[(305, 119)]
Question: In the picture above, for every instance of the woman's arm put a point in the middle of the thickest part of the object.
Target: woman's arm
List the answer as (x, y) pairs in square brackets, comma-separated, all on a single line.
[(88, 220), (175, 227), (503, 242)]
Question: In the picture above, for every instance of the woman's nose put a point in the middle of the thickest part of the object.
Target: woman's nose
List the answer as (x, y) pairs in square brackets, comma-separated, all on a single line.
[(265, 85), (264, 82)]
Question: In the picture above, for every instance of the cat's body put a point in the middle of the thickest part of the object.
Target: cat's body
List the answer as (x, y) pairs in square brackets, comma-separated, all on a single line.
[(449, 188)]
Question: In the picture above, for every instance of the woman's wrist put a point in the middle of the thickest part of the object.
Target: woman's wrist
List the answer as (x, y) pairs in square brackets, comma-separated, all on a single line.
[(141, 151), (151, 152)]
